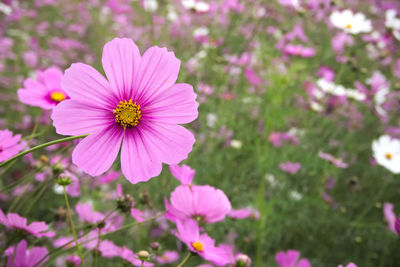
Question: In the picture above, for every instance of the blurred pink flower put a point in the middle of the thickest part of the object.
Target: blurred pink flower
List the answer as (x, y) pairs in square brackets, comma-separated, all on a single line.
[(109, 177), (25, 257), (183, 173), (168, 256), (87, 214), (140, 106), (291, 259), (335, 161), (203, 201), (10, 145), (37, 229), (390, 216), (189, 233), (299, 50), (244, 213), (45, 91), (290, 167), (252, 77)]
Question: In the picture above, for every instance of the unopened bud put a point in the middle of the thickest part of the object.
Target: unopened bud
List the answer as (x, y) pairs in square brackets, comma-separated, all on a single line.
[(57, 169), (143, 255), (155, 246), (63, 180), (243, 260)]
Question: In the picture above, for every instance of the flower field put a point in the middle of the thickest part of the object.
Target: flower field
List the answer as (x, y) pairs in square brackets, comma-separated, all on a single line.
[(200, 133)]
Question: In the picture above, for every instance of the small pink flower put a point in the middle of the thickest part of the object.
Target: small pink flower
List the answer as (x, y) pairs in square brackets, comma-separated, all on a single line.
[(25, 257), (87, 214), (291, 259), (197, 201), (252, 77), (299, 50), (109, 177), (168, 257), (290, 167), (390, 216), (244, 213), (37, 229), (184, 174), (139, 110), (335, 161), (189, 233), (45, 91), (10, 145)]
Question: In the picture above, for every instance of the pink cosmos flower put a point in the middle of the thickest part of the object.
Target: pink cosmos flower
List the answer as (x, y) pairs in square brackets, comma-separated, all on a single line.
[(349, 265), (184, 174), (390, 216), (45, 91), (335, 161), (189, 233), (168, 257), (244, 213), (139, 106), (197, 201), (290, 167), (109, 177), (299, 50), (252, 77), (291, 259), (37, 229), (25, 257), (10, 145), (87, 214)]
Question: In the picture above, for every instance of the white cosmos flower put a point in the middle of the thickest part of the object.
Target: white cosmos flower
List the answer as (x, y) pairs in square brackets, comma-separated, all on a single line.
[(150, 5), (349, 22), (392, 22), (386, 152), (197, 6), (355, 94)]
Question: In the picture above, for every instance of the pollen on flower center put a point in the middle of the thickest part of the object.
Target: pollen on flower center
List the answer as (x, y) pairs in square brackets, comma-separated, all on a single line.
[(198, 246), (348, 26), (389, 156), (57, 96), (127, 114)]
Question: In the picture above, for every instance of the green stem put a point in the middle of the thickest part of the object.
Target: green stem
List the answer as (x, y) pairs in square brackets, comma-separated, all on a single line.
[(40, 147), (78, 248), (185, 260)]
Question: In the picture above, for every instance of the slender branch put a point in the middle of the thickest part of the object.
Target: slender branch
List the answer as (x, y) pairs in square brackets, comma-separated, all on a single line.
[(78, 248), (185, 260), (23, 153)]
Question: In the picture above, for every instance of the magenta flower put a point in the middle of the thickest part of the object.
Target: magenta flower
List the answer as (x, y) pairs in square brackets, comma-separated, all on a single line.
[(87, 214), (139, 106), (291, 259), (189, 233), (184, 174), (37, 229), (45, 91), (390, 216), (168, 257), (349, 265), (244, 213), (10, 145), (198, 202), (335, 161), (299, 50), (25, 257), (290, 167)]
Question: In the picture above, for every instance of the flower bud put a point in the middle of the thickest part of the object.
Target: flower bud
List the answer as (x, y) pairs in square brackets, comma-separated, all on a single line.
[(242, 260), (63, 180), (155, 246), (143, 255), (57, 169)]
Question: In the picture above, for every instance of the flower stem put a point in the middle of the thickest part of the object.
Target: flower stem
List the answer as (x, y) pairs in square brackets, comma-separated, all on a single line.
[(185, 260), (78, 248), (23, 153)]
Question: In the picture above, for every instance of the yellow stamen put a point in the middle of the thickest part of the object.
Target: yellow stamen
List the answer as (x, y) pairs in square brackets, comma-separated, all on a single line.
[(348, 26), (127, 114), (198, 246), (57, 96), (165, 258), (389, 156)]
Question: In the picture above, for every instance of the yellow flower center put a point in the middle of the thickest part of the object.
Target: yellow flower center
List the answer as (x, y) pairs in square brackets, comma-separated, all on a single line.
[(127, 114), (57, 96), (389, 156), (165, 258), (348, 26), (198, 246)]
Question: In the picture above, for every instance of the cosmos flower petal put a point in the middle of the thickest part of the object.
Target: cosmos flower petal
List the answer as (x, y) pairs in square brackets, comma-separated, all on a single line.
[(72, 117), (172, 143), (96, 153), (33, 94), (158, 71), (175, 105), (85, 84), (121, 59), (138, 159)]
